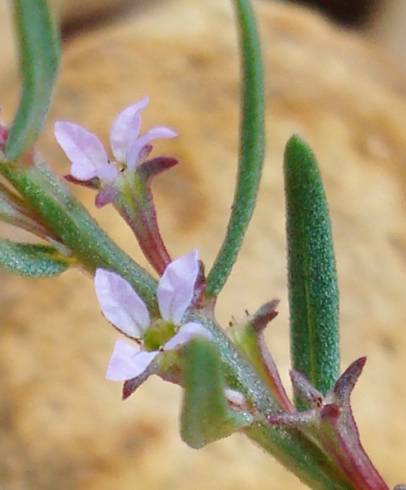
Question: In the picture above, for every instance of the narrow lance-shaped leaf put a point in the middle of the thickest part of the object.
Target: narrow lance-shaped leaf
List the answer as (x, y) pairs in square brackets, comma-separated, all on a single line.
[(251, 148), (205, 416), (313, 290), (32, 260), (39, 58)]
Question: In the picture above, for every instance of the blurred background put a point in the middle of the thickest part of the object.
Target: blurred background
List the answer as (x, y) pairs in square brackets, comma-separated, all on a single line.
[(335, 74)]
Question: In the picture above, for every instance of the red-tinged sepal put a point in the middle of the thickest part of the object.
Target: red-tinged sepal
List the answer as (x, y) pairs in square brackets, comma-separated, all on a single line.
[(156, 166), (199, 300), (330, 421), (265, 314), (346, 382), (131, 385), (93, 183), (135, 204), (250, 340), (305, 391)]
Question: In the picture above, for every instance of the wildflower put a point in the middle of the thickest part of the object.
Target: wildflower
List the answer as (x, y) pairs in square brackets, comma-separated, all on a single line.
[(88, 157), (122, 306)]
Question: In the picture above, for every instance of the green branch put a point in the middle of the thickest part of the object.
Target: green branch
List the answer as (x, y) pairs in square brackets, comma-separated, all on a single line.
[(73, 225), (251, 149)]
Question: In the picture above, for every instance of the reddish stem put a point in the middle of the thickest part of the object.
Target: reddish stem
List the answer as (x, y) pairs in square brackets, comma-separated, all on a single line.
[(136, 205), (147, 233), (346, 448)]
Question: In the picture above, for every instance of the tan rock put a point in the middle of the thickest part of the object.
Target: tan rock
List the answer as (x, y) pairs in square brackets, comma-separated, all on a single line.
[(387, 27), (70, 14), (64, 426), (79, 10)]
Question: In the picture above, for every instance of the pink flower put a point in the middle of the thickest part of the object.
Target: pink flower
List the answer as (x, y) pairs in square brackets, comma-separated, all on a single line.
[(122, 306), (88, 157)]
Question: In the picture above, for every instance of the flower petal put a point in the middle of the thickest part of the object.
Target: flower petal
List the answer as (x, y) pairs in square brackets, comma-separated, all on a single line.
[(83, 148), (125, 129), (107, 173), (120, 304), (176, 287), (128, 361), (134, 153), (186, 333)]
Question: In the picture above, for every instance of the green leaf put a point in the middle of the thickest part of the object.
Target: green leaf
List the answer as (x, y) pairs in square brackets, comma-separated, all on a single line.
[(313, 290), (205, 416), (31, 260), (252, 148), (39, 58)]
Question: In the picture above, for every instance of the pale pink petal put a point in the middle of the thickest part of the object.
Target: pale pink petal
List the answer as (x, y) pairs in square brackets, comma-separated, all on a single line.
[(126, 128), (128, 361), (186, 333), (107, 173), (83, 148), (120, 304), (135, 150), (176, 287)]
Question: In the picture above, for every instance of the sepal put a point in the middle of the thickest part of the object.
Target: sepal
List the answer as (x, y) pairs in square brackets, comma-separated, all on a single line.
[(206, 414), (90, 184), (154, 167), (250, 341)]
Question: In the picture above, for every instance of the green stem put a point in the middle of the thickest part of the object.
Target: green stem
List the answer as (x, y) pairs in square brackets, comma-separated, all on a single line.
[(73, 225), (251, 149)]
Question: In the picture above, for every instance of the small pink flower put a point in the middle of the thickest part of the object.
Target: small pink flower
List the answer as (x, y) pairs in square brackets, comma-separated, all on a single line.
[(87, 155), (122, 306)]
